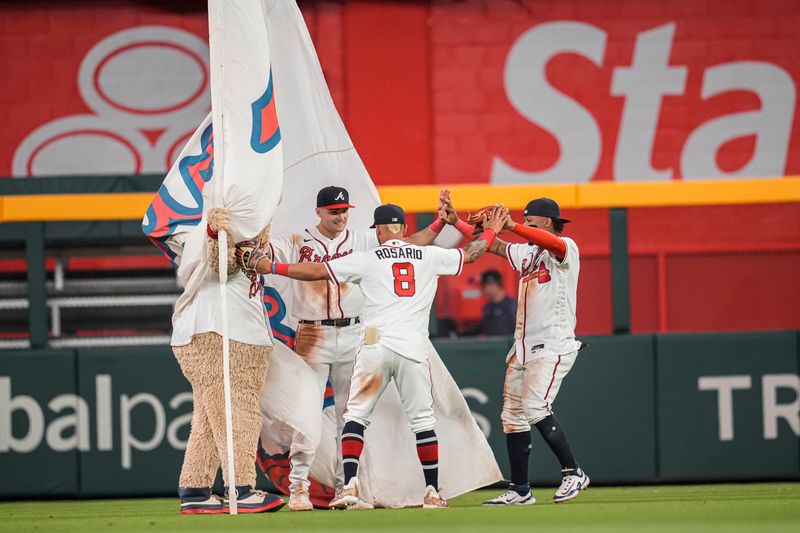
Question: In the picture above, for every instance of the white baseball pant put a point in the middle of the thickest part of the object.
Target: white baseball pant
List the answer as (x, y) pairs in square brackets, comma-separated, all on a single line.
[(375, 366), (530, 389), (330, 351)]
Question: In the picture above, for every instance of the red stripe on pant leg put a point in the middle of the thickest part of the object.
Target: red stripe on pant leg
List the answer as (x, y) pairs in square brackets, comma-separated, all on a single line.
[(553, 377), (352, 448), (428, 452)]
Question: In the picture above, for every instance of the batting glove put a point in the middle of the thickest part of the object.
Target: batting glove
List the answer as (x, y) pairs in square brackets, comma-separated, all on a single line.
[(248, 255)]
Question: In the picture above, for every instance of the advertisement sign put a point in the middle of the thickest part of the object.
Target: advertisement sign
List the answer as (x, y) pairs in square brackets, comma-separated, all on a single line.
[(515, 92), (637, 409), (729, 406)]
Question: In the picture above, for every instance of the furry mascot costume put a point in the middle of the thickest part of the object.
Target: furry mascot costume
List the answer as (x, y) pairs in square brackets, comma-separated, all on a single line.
[(201, 362)]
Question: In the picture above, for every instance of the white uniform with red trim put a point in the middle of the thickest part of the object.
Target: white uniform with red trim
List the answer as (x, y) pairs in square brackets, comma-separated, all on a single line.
[(329, 350), (544, 340), (399, 282), (321, 300)]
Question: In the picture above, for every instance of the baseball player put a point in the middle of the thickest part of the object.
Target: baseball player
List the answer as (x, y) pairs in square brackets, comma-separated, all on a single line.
[(329, 330), (544, 348), (398, 281)]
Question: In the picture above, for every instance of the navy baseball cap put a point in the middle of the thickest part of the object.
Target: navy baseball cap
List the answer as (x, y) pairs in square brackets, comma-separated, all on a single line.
[(389, 214), (544, 207), (333, 197)]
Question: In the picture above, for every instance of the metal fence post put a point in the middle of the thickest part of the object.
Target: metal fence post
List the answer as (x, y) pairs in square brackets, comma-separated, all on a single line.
[(37, 288), (620, 280)]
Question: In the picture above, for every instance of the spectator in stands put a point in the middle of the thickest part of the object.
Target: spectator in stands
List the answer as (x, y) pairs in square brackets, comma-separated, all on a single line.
[(499, 314)]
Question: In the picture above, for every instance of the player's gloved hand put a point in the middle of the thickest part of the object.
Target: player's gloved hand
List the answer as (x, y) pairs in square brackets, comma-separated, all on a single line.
[(478, 218), (249, 254), (497, 219)]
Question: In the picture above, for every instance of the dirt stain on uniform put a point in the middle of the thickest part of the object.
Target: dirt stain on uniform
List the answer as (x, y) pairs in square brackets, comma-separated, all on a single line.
[(520, 322), (343, 289), (315, 293), (370, 386), (308, 341), (513, 411)]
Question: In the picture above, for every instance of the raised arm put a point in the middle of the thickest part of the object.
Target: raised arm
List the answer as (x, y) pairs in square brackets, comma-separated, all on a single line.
[(497, 246), (427, 235), (255, 260), (424, 236), (541, 238)]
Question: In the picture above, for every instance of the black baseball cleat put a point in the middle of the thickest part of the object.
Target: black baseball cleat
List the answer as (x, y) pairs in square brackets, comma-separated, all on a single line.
[(250, 500), (199, 501)]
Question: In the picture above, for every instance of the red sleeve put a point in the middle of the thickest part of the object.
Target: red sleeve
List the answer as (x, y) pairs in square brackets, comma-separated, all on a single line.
[(543, 239)]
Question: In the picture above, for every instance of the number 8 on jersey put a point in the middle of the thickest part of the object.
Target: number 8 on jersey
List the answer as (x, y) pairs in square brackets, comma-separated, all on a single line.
[(403, 279)]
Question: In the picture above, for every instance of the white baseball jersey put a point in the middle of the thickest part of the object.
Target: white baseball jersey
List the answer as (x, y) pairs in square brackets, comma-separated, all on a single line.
[(399, 282), (247, 319), (321, 300), (547, 299)]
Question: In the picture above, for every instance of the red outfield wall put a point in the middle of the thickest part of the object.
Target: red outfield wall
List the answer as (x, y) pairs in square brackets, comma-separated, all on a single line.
[(715, 268), (475, 91)]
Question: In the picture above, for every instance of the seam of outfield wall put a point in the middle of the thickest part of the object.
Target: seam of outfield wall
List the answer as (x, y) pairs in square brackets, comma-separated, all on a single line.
[(78, 456), (424, 198), (656, 407)]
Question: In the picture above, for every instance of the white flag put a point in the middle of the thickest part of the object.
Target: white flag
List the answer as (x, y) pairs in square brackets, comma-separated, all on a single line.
[(318, 152), (249, 158)]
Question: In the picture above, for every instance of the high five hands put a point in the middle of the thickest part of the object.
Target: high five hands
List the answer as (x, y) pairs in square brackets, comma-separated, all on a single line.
[(497, 219), (478, 219)]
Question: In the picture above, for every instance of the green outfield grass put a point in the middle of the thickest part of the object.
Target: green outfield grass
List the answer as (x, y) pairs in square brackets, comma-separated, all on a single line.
[(733, 507)]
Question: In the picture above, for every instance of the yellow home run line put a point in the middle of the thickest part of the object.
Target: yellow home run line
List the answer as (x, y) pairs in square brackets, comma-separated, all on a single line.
[(423, 198)]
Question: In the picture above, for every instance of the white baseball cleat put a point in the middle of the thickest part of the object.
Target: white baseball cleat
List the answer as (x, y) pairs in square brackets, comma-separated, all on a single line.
[(250, 500), (347, 498), (299, 501), (360, 505), (199, 501), (433, 500), (512, 497), (571, 486)]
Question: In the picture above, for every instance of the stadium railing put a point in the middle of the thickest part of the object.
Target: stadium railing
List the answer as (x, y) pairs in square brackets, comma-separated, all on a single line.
[(113, 206)]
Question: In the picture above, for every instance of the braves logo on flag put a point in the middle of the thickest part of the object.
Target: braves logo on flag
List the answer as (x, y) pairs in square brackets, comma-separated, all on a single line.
[(165, 214), (265, 134), (276, 311)]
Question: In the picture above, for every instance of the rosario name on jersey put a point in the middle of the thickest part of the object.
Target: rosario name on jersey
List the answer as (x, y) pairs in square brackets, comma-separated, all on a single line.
[(322, 300), (399, 282), (547, 299)]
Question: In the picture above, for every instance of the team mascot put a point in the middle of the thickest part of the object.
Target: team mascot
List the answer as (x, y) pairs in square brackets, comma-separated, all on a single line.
[(200, 360)]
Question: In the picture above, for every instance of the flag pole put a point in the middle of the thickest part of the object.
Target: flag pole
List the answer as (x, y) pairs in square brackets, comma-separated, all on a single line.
[(226, 369), (215, 70)]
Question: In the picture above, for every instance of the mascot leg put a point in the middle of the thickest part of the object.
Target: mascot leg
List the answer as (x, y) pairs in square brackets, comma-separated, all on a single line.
[(248, 372), (200, 460), (249, 366)]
